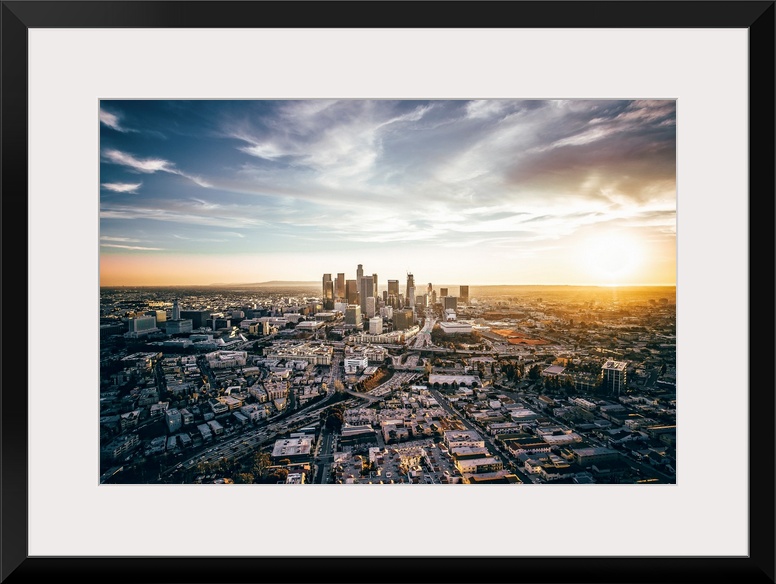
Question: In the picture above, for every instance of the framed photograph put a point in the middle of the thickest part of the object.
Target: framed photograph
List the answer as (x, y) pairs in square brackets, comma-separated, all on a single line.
[(397, 224)]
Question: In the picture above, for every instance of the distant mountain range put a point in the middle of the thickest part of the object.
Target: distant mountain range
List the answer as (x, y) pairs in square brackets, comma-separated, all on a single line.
[(272, 284)]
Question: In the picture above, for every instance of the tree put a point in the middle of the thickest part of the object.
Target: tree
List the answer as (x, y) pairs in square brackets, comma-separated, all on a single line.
[(261, 462), (243, 478), (279, 475), (334, 419), (534, 373)]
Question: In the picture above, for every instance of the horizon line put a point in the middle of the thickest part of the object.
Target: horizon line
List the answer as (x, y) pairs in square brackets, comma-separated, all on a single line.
[(316, 283)]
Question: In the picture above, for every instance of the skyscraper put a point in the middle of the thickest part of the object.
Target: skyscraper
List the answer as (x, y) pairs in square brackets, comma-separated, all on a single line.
[(366, 291), (328, 292), (410, 291), (392, 298), (442, 292), (359, 275), (374, 277), (340, 287), (351, 291), (176, 310), (371, 306), (463, 294), (429, 289)]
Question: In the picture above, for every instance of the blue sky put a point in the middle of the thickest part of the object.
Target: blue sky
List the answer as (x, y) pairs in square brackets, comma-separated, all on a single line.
[(478, 192)]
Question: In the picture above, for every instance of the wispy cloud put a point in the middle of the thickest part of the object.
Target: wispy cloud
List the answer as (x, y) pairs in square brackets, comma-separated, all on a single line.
[(150, 165), (121, 239), (131, 247), (122, 187), (183, 215), (199, 239), (112, 121)]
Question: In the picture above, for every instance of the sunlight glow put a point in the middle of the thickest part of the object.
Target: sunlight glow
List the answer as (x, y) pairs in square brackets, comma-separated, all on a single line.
[(613, 258)]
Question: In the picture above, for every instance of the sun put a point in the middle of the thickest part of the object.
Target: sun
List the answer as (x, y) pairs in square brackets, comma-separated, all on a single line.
[(613, 259)]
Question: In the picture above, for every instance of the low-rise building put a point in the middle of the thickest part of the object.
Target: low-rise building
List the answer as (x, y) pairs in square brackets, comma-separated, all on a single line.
[(293, 449)]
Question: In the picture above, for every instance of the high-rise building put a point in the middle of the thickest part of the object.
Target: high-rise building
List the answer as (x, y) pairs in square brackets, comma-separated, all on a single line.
[(142, 325), (365, 291), (371, 306), (615, 375), (198, 317), (385, 296), (359, 275), (351, 291), (376, 325), (328, 292), (420, 301), (442, 292), (463, 294), (393, 288), (410, 291), (340, 287), (429, 289), (176, 310), (450, 302), (177, 327), (353, 315), (218, 323), (374, 277), (403, 319)]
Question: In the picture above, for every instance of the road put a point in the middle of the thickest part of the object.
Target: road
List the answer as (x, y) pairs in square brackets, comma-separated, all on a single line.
[(423, 338), (324, 459), (493, 447), (647, 469), (238, 446)]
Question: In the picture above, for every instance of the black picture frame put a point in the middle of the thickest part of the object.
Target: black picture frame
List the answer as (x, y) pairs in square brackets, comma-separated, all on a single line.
[(755, 16)]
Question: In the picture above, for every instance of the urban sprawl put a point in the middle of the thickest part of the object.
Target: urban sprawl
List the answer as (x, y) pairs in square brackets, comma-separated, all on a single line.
[(360, 381)]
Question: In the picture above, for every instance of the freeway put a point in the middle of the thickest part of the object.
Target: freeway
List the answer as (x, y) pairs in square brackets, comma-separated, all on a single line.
[(247, 442), (423, 338)]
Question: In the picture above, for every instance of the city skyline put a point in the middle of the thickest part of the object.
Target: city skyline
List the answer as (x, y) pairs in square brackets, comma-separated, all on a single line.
[(492, 192)]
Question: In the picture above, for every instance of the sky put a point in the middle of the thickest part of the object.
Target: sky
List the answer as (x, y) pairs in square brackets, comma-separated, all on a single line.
[(474, 192)]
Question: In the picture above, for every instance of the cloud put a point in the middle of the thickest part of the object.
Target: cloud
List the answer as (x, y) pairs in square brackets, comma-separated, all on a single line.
[(132, 247), (484, 108), (122, 187), (187, 214), (150, 165), (122, 239), (199, 239), (337, 140), (147, 165), (112, 121)]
